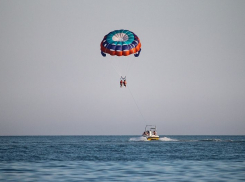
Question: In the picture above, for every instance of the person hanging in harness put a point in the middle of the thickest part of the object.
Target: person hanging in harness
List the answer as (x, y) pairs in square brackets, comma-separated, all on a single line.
[(123, 81)]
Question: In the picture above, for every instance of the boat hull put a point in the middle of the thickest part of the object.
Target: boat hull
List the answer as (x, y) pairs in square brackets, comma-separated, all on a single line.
[(152, 138)]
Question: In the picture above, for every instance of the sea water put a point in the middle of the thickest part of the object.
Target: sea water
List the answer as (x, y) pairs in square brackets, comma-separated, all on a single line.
[(122, 158)]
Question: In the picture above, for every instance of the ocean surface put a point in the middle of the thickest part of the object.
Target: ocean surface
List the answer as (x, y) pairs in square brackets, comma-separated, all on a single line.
[(122, 158)]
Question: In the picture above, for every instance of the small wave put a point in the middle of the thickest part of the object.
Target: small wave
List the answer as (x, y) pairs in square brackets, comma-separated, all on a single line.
[(166, 139), (137, 139), (211, 140), (216, 140)]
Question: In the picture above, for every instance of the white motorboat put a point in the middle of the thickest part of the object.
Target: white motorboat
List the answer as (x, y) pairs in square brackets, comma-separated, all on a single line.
[(150, 132)]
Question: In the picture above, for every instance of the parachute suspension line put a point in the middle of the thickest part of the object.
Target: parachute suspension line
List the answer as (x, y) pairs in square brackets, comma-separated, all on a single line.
[(115, 69), (128, 67), (104, 54), (136, 104)]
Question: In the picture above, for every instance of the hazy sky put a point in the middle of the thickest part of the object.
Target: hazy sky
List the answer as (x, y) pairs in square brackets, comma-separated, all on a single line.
[(188, 79)]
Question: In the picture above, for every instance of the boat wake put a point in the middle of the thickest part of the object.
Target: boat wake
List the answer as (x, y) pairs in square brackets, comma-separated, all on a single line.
[(164, 139), (215, 140), (138, 139)]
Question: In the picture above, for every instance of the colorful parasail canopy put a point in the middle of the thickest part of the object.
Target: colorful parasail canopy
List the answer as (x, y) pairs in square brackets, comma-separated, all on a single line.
[(120, 43)]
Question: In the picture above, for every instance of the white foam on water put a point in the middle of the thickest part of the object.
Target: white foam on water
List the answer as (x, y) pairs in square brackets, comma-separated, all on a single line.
[(137, 139), (166, 139)]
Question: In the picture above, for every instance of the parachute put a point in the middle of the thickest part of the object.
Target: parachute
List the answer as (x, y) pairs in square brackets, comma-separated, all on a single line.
[(120, 43)]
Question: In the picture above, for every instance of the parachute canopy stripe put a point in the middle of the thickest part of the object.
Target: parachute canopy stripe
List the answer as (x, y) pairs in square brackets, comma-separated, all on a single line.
[(121, 43)]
